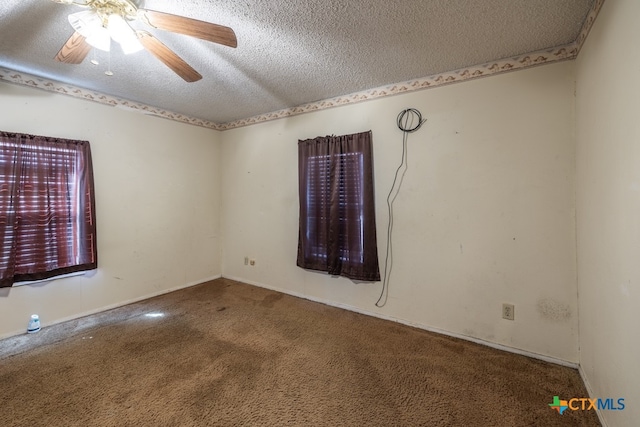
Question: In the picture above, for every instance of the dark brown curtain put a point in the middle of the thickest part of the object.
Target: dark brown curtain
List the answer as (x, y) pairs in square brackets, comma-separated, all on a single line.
[(337, 231), (47, 208)]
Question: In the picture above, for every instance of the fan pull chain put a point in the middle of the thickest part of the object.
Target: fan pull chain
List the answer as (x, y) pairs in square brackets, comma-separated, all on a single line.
[(94, 60), (109, 72)]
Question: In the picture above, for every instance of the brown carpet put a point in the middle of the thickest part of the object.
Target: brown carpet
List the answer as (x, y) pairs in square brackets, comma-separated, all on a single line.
[(230, 354)]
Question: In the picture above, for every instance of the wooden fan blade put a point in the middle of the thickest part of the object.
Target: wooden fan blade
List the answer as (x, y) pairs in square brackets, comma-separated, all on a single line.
[(191, 27), (74, 50), (168, 57)]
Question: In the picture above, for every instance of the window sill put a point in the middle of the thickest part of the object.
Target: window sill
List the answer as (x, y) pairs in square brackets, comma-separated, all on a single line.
[(51, 279)]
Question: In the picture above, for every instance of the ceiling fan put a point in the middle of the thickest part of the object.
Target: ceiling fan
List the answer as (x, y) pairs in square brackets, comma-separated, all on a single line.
[(106, 20)]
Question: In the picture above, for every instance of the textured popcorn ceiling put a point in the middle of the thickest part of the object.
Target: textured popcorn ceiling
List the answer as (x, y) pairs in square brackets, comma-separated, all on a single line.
[(291, 52)]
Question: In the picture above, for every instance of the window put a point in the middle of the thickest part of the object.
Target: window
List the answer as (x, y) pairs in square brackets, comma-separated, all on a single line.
[(337, 213), (47, 208)]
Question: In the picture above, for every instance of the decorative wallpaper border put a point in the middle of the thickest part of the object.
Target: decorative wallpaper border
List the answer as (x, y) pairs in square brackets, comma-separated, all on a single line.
[(549, 56), (491, 68), (76, 92), (561, 53), (588, 24)]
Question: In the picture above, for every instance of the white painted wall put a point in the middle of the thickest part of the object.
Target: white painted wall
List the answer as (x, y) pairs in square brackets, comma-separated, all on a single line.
[(608, 207), (486, 213), (157, 201)]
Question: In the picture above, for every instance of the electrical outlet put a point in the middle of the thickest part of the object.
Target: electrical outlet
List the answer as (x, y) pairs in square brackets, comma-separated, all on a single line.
[(246, 260), (252, 262), (508, 311)]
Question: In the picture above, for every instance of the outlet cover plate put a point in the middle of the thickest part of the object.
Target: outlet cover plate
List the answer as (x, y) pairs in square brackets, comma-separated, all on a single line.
[(508, 311)]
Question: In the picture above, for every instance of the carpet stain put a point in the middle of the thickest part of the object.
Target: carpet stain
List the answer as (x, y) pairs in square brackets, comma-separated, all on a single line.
[(270, 300), (456, 347)]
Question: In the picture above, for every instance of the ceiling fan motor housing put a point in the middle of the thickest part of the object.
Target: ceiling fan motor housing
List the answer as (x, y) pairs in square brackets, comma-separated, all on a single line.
[(106, 8)]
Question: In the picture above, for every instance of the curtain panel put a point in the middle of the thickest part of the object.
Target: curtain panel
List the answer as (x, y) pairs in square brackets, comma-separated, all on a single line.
[(47, 208), (337, 228)]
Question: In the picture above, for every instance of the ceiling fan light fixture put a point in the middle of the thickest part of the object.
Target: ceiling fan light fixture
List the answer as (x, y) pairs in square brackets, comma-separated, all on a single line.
[(100, 40), (85, 22), (108, 20), (89, 25), (131, 46), (121, 32)]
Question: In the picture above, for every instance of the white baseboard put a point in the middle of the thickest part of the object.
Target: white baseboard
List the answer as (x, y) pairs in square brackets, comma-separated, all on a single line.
[(116, 305), (497, 346), (591, 394), (329, 303)]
